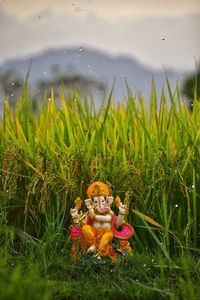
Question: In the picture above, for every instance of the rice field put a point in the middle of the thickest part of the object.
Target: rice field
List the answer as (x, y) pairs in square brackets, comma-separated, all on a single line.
[(48, 158)]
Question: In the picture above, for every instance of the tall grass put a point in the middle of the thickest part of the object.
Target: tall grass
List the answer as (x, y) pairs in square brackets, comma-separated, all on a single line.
[(48, 159)]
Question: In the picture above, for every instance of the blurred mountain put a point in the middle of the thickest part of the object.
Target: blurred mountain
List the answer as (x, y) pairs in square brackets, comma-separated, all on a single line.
[(86, 69)]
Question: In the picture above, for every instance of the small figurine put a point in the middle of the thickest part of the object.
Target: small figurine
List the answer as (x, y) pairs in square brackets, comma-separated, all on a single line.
[(99, 231)]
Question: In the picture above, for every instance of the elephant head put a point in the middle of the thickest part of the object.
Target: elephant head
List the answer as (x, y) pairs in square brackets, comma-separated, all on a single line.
[(100, 204), (99, 197)]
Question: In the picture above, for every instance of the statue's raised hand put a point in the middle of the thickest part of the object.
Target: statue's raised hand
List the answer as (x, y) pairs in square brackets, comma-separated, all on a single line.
[(88, 203), (75, 214), (123, 209)]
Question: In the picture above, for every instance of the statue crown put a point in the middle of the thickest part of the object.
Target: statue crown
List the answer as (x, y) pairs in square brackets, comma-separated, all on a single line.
[(97, 189)]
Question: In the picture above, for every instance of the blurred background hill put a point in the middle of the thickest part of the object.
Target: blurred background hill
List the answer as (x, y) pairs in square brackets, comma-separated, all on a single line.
[(91, 72)]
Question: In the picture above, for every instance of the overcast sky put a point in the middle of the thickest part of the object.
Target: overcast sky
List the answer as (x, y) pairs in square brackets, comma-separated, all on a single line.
[(156, 32)]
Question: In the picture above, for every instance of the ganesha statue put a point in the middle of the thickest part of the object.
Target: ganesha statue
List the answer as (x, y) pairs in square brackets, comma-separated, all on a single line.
[(99, 231)]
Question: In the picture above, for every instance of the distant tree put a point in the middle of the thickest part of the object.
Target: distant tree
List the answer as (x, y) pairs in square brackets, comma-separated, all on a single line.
[(10, 85), (191, 88), (84, 85)]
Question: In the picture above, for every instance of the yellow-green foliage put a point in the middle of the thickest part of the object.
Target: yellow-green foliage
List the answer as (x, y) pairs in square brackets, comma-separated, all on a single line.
[(152, 150)]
